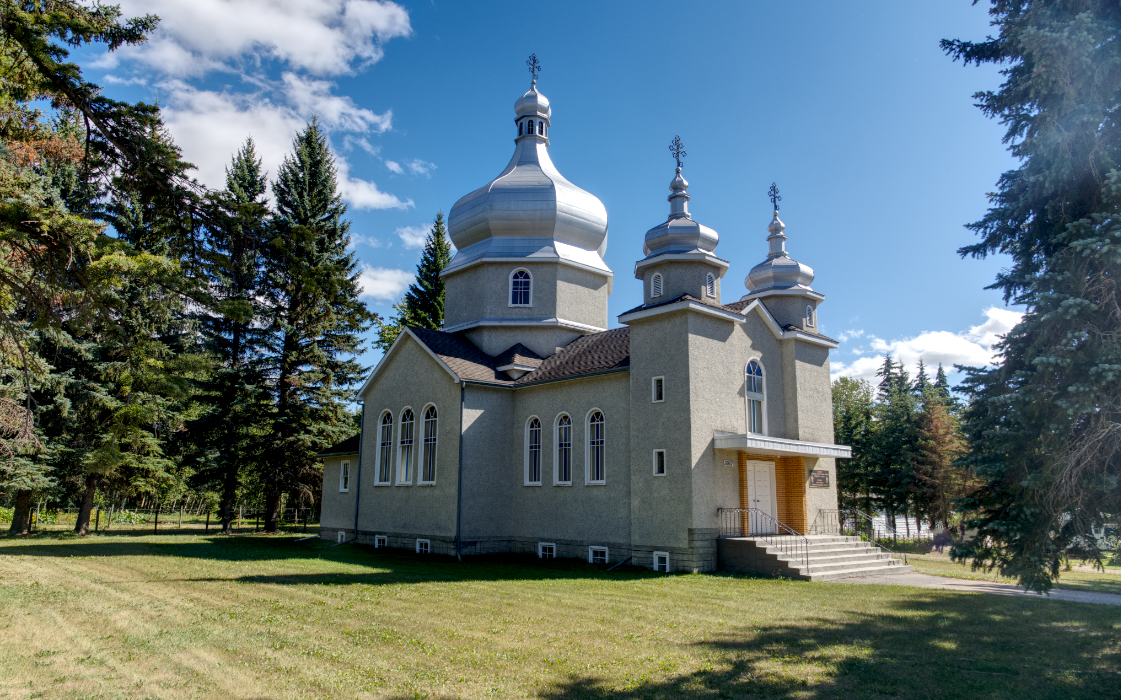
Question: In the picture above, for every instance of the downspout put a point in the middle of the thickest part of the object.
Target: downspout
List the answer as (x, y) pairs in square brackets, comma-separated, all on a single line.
[(459, 486), (358, 476)]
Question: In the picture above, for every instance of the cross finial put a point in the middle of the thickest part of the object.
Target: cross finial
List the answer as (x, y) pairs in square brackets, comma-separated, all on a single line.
[(773, 194), (534, 66), (677, 149)]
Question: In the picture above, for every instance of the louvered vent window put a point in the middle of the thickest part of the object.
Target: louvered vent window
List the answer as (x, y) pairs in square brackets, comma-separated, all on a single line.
[(656, 286)]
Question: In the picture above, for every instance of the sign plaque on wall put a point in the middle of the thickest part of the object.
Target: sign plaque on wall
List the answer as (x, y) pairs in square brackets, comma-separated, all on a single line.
[(728, 463), (819, 479)]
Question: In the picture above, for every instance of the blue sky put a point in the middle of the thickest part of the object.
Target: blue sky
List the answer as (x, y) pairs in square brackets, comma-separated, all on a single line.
[(867, 127)]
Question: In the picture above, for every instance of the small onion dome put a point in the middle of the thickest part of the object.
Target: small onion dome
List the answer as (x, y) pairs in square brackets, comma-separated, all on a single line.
[(778, 271), (679, 233), (533, 102)]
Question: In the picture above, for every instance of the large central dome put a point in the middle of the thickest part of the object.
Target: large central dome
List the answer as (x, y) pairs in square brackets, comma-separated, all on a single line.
[(530, 209)]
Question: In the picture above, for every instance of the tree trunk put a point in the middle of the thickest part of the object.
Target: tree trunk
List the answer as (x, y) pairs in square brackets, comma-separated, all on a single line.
[(82, 526), (229, 498), (21, 514), (272, 509)]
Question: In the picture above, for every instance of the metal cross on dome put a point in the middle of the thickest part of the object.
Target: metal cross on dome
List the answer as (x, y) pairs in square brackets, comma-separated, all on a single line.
[(534, 65), (677, 149), (773, 194)]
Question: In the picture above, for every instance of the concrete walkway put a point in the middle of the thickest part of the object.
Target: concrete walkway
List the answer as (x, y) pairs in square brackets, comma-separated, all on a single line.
[(964, 585)]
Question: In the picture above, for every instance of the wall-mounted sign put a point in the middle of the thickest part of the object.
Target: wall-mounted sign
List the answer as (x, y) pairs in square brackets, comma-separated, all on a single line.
[(728, 463), (819, 479)]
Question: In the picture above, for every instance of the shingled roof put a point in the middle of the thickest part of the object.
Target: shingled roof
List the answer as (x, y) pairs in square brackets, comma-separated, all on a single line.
[(735, 306), (348, 446), (518, 355), (461, 356), (588, 354)]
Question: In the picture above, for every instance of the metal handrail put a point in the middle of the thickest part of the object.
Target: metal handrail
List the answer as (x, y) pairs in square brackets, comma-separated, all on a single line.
[(835, 520), (754, 523)]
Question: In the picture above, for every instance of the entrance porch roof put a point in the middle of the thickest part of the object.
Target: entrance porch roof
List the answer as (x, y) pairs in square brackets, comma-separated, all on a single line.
[(762, 444)]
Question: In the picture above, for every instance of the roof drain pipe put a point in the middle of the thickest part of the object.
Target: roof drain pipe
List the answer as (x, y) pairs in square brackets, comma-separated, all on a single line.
[(459, 486), (358, 476)]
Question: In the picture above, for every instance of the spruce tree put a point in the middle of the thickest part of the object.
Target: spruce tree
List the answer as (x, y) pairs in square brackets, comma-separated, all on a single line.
[(1045, 424), (423, 304), (853, 413), (315, 319), (922, 379)]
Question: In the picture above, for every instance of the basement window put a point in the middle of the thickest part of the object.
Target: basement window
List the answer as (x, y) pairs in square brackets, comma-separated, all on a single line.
[(380, 541), (546, 550), (597, 555), (423, 547), (342, 537), (661, 562)]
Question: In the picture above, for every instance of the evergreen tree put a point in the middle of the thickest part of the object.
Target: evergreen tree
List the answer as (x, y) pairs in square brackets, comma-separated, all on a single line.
[(942, 389), (315, 319), (423, 304), (853, 413), (894, 438), (1045, 424), (922, 380)]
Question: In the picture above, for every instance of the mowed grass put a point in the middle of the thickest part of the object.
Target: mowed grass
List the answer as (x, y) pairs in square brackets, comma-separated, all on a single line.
[(1108, 581), (188, 616)]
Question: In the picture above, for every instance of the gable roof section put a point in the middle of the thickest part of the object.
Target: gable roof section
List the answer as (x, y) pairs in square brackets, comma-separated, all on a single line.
[(461, 356), (348, 446), (518, 355), (594, 353)]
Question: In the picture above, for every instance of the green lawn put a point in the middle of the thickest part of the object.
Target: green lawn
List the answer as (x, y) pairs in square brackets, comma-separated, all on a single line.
[(190, 616), (1100, 582)]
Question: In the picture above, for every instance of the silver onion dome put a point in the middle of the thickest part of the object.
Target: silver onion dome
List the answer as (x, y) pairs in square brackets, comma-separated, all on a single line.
[(679, 233), (530, 209), (778, 271)]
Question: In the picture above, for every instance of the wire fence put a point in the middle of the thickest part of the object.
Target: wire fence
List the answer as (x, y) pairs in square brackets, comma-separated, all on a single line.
[(169, 521)]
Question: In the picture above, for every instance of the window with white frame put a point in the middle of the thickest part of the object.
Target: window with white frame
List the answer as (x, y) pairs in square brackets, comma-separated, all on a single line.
[(661, 561), (597, 555), (405, 448), (540, 128), (533, 452), (658, 389), (341, 537), (428, 458), (546, 550), (521, 288), (809, 315), (423, 546), (710, 285), (659, 462), (595, 453), (344, 477), (380, 541), (756, 393), (656, 285), (385, 448), (563, 442)]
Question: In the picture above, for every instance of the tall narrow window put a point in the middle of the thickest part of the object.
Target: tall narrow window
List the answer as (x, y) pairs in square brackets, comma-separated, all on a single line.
[(428, 471), (710, 285), (595, 448), (520, 126), (756, 395), (656, 285), (405, 448), (564, 450), (809, 315), (540, 128), (659, 462), (658, 389), (530, 130), (344, 477), (385, 448), (521, 288), (533, 453)]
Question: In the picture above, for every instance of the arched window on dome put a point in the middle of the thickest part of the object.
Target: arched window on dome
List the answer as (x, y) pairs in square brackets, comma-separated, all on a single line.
[(656, 285), (809, 315), (756, 392), (710, 285), (521, 288), (530, 129), (540, 128), (520, 127)]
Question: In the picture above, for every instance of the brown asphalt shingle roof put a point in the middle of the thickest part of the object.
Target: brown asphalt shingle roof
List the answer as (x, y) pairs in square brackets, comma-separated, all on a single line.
[(518, 355), (348, 446), (462, 356), (588, 354)]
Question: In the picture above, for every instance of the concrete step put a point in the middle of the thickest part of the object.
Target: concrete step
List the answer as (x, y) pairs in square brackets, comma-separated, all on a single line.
[(815, 568), (861, 572)]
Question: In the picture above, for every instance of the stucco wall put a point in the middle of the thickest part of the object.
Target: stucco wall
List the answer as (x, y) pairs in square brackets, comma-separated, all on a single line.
[(790, 309), (488, 440), (338, 507), (681, 277)]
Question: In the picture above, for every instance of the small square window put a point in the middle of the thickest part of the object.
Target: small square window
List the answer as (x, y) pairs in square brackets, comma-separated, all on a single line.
[(380, 541), (658, 389), (546, 550), (597, 555), (342, 537), (659, 462), (423, 546), (661, 561), (344, 477)]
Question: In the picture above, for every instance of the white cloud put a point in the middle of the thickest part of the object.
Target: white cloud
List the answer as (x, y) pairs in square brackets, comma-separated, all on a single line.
[(358, 239), (413, 236), (309, 97), (421, 167), (364, 194), (349, 143), (394, 166), (972, 347), (383, 284)]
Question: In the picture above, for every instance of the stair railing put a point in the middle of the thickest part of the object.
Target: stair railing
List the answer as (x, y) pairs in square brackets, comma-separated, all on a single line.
[(851, 522), (754, 523)]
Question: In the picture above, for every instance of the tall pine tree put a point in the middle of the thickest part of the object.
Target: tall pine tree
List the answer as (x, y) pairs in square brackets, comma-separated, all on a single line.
[(315, 319), (423, 304)]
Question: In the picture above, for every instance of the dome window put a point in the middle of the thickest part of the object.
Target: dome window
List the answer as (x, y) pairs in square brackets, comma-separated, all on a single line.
[(530, 129), (710, 285), (540, 128), (656, 285), (809, 315), (521, 288), (520, 127)]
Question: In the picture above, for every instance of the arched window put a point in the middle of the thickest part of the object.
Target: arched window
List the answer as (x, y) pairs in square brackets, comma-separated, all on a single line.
[(809, 315), (428, 471), (533, 452), (385, 447), (595, 464), (521, 288), (563, 442), (756, 397), (520, 126), (656, 285), (710, 285), (540, 128), (405, 448), (530, 129)]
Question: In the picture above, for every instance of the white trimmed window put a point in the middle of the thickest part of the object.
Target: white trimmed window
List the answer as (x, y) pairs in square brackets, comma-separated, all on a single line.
[(756, 393), (661, 561), (380, 541), (546, 550), (659, 462), (385, 448), (656, 285), (562, 469), (405, 448), (342, 537), (658, 389), (533, 452), (521, 288), (423, 547), (710, 285), (597, 555), (809, 315), (344, 477), (594, 457), (428, 459)]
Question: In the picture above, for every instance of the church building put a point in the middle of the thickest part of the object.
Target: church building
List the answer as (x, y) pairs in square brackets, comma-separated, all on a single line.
[(528, 425)]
